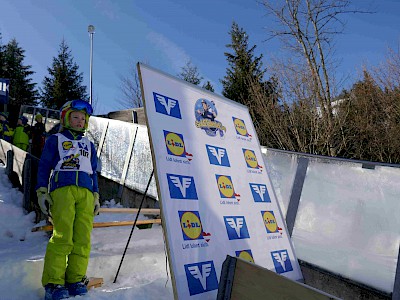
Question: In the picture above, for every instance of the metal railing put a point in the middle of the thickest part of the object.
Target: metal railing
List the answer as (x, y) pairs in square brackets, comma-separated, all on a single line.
[(342, 214)]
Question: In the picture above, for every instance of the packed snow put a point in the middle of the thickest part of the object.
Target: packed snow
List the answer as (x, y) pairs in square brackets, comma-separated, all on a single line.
[(144, 273)]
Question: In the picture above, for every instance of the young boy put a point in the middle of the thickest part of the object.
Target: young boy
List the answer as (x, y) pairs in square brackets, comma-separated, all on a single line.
[(71, 201)]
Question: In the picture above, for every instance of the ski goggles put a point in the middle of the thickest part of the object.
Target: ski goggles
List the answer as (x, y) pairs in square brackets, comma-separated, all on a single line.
[(82, 105)]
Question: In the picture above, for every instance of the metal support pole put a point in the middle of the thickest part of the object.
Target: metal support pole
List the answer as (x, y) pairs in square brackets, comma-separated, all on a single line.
[(127, 161), (102, 139), (134, 224), (91, 32)]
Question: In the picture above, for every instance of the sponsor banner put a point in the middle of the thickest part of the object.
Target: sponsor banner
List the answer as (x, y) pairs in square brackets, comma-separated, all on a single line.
[(4, 90), (214, 189)]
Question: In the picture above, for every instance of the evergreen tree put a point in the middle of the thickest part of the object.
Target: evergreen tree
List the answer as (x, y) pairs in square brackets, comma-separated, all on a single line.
[(64, 82), (208, 86), (2, 61), (190, 74), (244, 68), (22, 90)]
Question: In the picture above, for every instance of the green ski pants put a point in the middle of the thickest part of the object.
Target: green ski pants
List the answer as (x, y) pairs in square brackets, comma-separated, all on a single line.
[(68, 250)]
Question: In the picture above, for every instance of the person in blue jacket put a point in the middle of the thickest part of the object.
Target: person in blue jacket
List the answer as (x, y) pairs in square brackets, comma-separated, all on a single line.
[(67, 191)]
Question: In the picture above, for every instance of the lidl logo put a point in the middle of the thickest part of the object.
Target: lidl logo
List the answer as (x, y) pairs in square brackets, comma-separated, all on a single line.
[(167, 106), (191, 225), (201, 277), (181, 187), (175, 144), (217, 156), (281, 261), (67, 145), (225, 187), (260, 192), (251, 159), (236, 227), (245, 254), (270, 221), (240, 127)]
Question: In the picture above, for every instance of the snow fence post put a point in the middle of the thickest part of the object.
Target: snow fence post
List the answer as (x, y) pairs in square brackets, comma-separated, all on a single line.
[(295, 195), (396, 286), (10, 161)]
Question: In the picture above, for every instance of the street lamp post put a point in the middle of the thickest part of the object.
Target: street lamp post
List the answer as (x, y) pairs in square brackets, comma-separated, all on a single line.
[(91, 32)]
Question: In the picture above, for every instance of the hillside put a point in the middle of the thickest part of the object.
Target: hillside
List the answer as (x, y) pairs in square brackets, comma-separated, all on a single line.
[(143, 275)]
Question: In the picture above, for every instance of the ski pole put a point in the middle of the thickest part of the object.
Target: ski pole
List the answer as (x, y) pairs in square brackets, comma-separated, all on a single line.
[(134, 224)]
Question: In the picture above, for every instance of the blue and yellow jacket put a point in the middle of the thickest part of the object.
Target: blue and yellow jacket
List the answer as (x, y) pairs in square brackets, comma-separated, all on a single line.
[(71, 175), (6, 132)]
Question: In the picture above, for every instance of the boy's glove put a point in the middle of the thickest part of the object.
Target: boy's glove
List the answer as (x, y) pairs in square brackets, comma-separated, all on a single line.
[(44, 200), (96, 203)]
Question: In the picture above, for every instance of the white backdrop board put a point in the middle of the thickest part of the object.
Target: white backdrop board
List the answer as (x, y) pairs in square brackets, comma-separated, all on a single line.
[(215, 194)]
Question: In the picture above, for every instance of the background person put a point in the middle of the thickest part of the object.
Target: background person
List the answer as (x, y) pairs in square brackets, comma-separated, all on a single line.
[(22, 133), (6, 132), (38, 136)]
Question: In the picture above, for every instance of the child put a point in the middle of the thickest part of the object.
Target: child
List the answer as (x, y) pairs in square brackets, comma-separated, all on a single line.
[(71, 201), (22, 133), (6, 132)]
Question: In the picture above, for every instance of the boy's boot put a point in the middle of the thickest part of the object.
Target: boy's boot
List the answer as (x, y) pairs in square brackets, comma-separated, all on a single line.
[(77, 288), (55, 292)]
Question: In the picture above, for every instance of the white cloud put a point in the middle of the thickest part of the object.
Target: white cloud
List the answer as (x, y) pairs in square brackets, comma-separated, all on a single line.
[(108, 8), (176, 55)]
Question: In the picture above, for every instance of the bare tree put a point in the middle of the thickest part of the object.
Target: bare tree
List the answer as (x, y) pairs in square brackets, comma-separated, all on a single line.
[(307, 28), (130, 88), (286, 125), (388, 73)]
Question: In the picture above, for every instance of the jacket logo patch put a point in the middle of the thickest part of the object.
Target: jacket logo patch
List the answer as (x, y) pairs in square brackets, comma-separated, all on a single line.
[(70, 162), (67, 145)]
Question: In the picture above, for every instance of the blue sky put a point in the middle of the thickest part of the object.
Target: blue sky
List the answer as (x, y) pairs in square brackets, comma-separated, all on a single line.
[(166, 34)]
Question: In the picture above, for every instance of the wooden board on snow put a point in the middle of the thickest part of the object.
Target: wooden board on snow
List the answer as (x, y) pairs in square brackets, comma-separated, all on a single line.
[(95, 282), (104, 224), (144, 211)]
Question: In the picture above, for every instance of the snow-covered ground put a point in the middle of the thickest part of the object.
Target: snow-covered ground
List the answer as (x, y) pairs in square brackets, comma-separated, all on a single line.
[(144, 273)]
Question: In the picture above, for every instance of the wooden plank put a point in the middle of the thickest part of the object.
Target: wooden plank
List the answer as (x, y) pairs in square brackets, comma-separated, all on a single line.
[(104, 224), (254, 282), (95, 282), (145, 211), (126, 223)]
